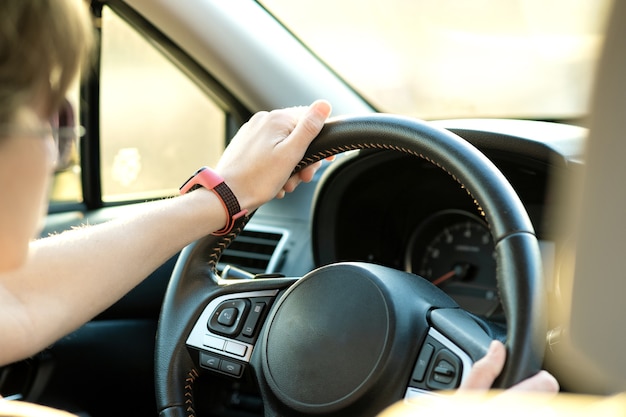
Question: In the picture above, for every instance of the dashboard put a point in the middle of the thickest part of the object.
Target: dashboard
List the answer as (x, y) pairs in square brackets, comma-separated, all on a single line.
[(406, 213)]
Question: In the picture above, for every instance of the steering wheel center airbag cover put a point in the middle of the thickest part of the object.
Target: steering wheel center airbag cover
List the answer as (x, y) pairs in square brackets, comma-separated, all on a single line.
[(327, 339)]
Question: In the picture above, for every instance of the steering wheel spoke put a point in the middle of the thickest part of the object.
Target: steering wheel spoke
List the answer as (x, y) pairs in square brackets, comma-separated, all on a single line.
[(224, 336)]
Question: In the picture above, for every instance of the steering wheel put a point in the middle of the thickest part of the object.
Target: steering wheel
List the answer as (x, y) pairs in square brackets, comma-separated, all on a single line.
[(351, 338)]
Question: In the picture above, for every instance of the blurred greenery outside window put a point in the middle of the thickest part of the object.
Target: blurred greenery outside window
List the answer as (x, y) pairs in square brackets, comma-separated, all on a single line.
[(156, 125)]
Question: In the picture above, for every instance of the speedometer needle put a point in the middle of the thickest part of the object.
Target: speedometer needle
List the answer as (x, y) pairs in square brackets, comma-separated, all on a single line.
[(459, 270)]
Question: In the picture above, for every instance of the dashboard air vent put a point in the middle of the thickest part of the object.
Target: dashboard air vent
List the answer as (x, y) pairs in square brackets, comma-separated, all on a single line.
[(256, 251)]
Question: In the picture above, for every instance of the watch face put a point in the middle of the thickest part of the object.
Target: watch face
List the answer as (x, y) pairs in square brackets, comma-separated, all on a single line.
[(187, 185), (203, 177)]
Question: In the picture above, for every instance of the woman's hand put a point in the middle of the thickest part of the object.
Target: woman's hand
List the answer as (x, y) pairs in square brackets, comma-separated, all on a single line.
[(258, 163), (487, 369), (475, 397)]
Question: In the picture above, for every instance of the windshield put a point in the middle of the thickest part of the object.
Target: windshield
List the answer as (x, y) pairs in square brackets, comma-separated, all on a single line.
[(436, 59)]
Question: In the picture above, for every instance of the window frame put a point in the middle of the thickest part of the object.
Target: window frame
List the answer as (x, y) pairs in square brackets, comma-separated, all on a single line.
[(89, 109)]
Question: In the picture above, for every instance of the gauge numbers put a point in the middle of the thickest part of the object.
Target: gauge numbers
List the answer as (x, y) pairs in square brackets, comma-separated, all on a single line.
[(454, 250)]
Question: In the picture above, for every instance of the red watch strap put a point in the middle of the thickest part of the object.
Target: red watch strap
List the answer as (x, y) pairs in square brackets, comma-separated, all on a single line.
[(209, 179)]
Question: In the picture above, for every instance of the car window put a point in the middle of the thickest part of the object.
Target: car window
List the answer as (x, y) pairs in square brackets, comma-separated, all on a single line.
[(156, 125), (446, 58)]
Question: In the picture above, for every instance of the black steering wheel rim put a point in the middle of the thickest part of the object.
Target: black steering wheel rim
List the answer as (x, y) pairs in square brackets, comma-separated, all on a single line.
[(519, 274)]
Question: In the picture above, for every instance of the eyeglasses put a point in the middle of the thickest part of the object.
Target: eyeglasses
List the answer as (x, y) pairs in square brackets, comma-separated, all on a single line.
[(65, 139)]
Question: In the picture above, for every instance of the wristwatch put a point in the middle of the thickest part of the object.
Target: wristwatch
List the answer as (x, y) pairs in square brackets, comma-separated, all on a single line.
[(209, 179)]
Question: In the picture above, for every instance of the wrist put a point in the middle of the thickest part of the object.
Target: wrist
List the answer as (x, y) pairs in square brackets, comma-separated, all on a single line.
[(209, 179)]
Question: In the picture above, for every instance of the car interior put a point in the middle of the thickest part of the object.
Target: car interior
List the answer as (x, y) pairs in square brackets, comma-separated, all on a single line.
[(383, 279)]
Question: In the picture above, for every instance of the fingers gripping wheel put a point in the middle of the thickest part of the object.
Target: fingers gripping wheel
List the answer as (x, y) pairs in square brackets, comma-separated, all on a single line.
[(519, 278)]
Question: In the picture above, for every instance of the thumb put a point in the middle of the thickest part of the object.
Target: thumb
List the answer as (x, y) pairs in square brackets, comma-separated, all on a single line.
[(312, 121)]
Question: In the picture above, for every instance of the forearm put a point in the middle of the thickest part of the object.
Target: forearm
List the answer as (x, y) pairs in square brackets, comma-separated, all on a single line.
[(73, 276), (70, 278)]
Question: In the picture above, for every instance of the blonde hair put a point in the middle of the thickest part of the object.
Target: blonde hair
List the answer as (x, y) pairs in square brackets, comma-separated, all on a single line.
[(44, 44)]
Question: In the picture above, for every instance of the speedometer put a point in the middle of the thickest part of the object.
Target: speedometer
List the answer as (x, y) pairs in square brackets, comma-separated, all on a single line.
[(455, 251)]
